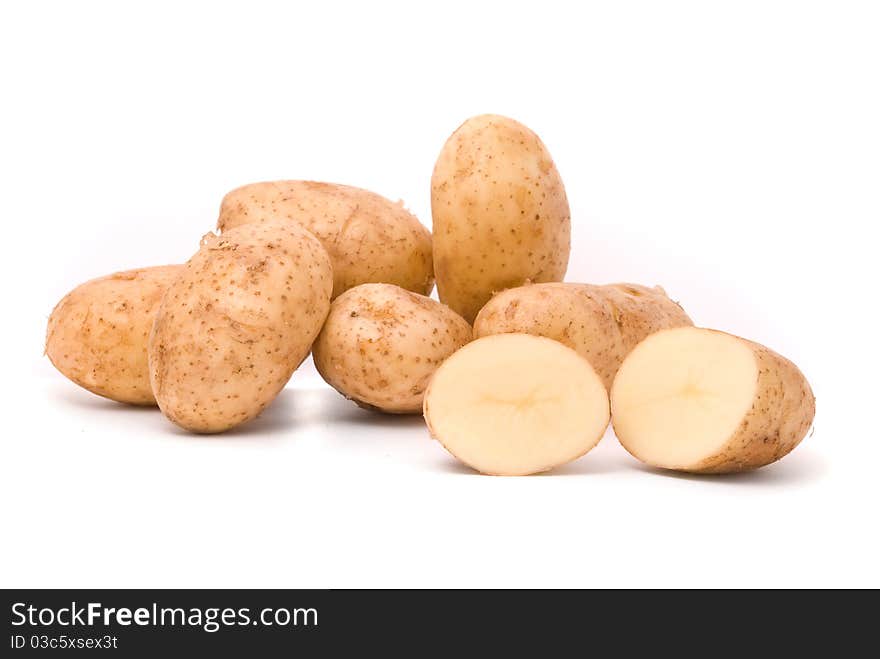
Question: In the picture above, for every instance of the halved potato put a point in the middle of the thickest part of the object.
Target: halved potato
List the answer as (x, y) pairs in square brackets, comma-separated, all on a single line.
[(700, 400), (516, 404)]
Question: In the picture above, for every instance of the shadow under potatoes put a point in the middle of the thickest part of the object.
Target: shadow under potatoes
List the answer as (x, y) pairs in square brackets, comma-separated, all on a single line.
[(608, 457), (80, 398), (295, 409), (799, 467)]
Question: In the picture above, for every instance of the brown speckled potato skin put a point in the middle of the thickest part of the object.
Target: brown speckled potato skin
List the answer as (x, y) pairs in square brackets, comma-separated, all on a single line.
[(97, 334), (237, 323), (501, 216), (601, 323), (780, 417), (381, 344), (368, 237)]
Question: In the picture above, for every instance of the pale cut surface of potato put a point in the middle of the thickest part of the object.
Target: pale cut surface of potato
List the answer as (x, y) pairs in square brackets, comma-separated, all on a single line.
[(500, 213), (235, 325), (380, 345), (516, 404), (369, 238), (602, 323), (97, 334), (703, 401)]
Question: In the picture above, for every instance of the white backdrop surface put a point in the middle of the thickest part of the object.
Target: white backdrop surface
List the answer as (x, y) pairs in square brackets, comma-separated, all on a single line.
[(728, 151)]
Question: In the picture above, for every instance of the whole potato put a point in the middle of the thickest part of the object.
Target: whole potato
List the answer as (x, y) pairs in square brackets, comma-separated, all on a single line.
[(237, 323), (97, 334), (381, 344), (602, 323), (368, 237), (501, 217)]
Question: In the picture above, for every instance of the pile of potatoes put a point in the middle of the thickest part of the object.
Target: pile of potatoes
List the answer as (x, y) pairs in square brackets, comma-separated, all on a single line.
[(515, 371)]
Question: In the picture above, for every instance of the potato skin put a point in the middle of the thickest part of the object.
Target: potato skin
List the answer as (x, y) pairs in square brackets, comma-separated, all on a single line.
[(381, 344), (237, 323), (500, 213), (781, 414), (368, 237), (602, 323), (97, 334)]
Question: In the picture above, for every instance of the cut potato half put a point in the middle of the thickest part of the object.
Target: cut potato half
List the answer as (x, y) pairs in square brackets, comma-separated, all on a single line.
[(700, 400), (516, 404)]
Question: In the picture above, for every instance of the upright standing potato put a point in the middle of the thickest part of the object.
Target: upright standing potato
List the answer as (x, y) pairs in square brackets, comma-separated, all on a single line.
[(97, 334), (237, 323), (369, 238), (501, 216)]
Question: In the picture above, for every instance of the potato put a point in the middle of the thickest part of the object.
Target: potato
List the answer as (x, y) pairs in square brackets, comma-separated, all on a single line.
[(368, 237), (602, 323), (501, 217), (703, 401), (97, 334), (237, 323), (381, 344), (516, 404)]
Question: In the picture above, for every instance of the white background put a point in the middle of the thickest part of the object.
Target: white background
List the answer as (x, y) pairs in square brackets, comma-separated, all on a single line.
[(729, 151)]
